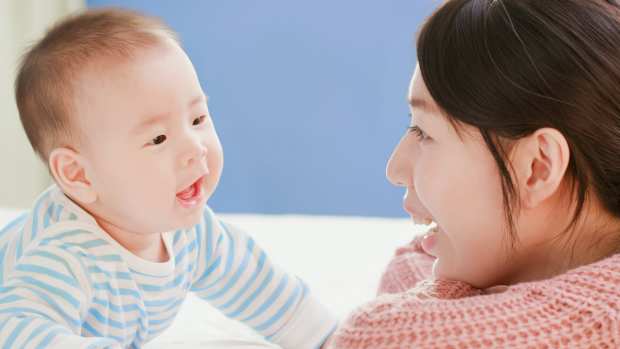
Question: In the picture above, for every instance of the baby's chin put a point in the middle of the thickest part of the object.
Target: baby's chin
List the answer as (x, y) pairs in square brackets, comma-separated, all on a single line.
[(188, 221)]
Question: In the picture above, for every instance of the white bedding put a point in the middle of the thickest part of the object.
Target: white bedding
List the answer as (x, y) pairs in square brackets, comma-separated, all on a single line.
[(340, 258)]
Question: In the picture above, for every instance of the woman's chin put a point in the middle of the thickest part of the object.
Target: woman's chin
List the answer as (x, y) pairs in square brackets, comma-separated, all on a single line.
[(442, 271)]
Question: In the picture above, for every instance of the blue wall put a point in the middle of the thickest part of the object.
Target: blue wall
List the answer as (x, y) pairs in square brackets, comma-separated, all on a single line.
[(309, 97)]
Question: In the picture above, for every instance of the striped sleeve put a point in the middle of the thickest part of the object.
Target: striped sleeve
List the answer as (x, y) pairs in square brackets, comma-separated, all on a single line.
[(43, 300), (235, 275)]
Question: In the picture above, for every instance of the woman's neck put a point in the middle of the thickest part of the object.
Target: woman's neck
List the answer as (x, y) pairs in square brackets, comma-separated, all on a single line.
[(594, 236)]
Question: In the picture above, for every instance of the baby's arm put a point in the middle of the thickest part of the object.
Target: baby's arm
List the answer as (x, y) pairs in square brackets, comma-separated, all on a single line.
[(235, 275), (43, 300), (409, 266)]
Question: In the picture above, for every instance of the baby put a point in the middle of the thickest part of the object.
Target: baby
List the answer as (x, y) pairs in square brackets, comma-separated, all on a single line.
[(104, 259)]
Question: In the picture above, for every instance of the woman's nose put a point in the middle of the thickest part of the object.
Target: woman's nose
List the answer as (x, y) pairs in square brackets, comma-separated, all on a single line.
[(398, 170)]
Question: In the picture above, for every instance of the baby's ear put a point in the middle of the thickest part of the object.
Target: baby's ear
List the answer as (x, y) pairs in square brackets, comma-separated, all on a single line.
[(69, 170)]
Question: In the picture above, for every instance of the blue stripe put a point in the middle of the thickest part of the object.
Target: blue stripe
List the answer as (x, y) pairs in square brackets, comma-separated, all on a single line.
[(10, 298), (120, 309), (88, 327), (259, 268), (53, 257), (105, 286), (209, 242), (160, 302), (171, 307), (287, 305), (50, 336), (59, 211), (269, 300), (3, 323), (122, 275), (85, 245), (177, 237), (57, 308), (159, 288), (207, 273), (36, 213), (18, 251), (253, 296), (51, 289), (164, 321), (37, 331), (35, 216), (70, 248), (229, 261), (15, 310), (107, 322), (66, 234), (233, 280), (46, 217), (31, 268), (2, 263), (16, 332), (91, 243), (102, 343), (179, 257), (134, 271)]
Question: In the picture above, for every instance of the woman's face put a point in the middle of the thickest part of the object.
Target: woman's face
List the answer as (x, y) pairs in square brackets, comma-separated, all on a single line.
[(453, 180)]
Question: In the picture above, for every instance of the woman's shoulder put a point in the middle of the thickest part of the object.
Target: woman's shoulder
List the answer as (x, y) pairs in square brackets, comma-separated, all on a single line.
[(578, 305)]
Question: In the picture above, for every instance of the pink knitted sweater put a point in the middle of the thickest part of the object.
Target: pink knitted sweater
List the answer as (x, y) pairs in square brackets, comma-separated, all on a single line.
[(578, 309)]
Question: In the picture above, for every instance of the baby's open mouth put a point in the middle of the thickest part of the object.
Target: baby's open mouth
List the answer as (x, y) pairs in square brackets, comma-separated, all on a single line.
[(191, 196)]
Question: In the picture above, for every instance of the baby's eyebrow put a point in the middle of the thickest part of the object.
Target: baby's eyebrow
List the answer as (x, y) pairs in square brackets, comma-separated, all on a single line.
[(148, 122), (152, 120), (198, 99)]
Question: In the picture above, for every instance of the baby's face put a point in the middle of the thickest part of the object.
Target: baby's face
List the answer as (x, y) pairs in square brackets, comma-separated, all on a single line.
[(151, 149)]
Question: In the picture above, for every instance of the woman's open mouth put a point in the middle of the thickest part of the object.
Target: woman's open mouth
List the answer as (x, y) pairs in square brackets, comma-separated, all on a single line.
[(430, 240)]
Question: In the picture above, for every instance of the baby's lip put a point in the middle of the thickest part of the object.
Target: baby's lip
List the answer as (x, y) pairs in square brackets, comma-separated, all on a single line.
[(191, 184)]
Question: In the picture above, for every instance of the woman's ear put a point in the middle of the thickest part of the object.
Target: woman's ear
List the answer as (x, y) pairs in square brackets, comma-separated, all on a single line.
[(69, 171), (540, 161)]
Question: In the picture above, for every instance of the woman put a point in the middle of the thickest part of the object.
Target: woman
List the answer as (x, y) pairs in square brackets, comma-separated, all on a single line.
[(514, 153)]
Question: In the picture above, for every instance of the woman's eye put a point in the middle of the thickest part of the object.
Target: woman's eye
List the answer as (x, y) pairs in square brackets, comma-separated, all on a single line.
[(199, 120), (159, 139), (421, 135)]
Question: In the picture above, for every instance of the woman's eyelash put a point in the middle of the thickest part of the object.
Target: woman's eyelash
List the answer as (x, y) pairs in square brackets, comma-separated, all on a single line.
[(421, 135)]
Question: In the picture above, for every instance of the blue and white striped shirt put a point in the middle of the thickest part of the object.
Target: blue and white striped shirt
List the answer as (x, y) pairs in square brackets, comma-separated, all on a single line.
[(65, 283)]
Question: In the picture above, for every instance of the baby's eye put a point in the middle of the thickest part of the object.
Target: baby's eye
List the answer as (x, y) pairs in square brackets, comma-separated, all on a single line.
[(421, 135), (199, 120), (158, 140)]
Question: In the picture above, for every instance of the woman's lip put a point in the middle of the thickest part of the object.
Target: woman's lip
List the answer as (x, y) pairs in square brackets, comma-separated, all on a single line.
[(429, 242), (416, 218)]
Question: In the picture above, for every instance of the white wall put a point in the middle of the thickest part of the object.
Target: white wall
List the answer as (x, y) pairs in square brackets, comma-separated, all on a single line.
[(22, 175)]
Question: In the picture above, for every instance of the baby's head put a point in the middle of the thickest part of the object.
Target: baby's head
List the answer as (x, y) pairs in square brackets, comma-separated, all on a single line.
[(112, 104), (516, 134)]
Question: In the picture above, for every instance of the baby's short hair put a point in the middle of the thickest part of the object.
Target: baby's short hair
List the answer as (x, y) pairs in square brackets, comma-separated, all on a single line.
[(44, 87)]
